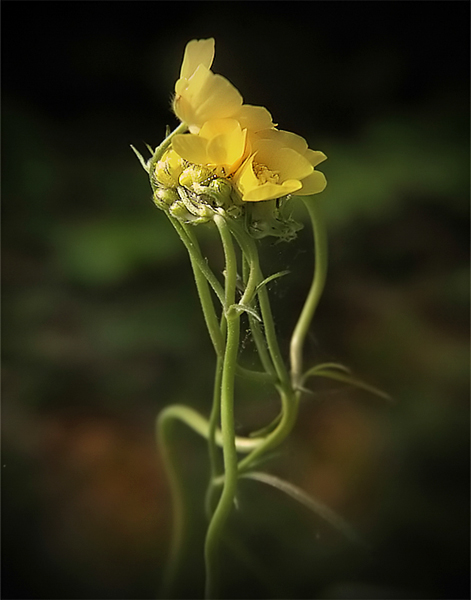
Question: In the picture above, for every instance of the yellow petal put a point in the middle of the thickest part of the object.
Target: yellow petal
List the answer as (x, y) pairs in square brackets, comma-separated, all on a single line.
[(289, 163), (315, 157), (205, 96), (254, 118), (227, 144), (191, 147), (251, 190), (216, 127), (269, 191), (286, 138), (312, 184), (245, 178), (197, 52)]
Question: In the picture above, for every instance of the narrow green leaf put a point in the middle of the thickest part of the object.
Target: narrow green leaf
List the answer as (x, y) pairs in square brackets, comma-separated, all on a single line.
[(141, 159), (247, 309), (271, 278), (321, 367), (312, 504), (344, 378)]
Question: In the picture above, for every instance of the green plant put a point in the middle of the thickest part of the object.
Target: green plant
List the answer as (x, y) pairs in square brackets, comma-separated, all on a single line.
[(238, 174)]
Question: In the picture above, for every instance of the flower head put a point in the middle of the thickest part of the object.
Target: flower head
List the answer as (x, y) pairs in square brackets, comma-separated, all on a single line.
[(201, 95), (315, 182), (233, 159), (281, 164)]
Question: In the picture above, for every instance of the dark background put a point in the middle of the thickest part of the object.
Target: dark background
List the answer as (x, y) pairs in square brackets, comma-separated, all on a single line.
[(101, 324)]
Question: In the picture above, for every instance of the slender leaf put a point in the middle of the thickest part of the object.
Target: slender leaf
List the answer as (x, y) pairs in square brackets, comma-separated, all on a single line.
[(321, 367), (141, 159), (271, 278), (312, 504), (345, 378), (247, 309)]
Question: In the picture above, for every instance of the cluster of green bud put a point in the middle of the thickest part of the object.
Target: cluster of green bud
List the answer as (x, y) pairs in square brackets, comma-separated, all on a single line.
[(192, 193), (195, 193)]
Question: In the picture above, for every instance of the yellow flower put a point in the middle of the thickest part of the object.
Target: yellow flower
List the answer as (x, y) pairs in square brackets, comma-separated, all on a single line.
[(220, 144), (281, 164), (236, 139), (201, 95), (313, 183)]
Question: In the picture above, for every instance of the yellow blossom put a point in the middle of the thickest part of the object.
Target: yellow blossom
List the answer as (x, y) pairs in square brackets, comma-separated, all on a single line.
[(238, 140), (201, 95), (220, 144), (281, 164), (313, 183)]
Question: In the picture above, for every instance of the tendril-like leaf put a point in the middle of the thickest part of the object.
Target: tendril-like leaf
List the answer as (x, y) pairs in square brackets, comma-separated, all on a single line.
[(244, 308), (141, 159), (308, 501), (346, 378), (271, 278)]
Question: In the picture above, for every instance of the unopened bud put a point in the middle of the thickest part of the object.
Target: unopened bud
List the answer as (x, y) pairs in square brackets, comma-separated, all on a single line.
[(164, 197), (194, 174)]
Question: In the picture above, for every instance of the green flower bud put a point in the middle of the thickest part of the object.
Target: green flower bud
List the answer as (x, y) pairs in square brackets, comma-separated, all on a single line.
[(164, 197), (194, 174), (168, 169), (219, 190)]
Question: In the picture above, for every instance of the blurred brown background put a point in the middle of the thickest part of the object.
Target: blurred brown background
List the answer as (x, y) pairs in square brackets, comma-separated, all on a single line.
[(101, 323)]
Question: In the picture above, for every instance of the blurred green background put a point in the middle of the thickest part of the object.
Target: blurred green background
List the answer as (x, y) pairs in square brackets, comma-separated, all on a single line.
[(101, 323)]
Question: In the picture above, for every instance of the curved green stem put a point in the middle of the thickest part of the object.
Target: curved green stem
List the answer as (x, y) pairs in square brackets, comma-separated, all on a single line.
[(289, 413), (317, 286), (255, 327), (164, 428), (200, 425), (289, 398), (191, 244), (204, 275), (209, 313), (214, 458), (165, 423), (224, 507), (249, 248)]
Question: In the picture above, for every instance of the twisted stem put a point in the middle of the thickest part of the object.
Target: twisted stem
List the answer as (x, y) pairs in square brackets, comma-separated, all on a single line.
[(224, 506), (315, 292)]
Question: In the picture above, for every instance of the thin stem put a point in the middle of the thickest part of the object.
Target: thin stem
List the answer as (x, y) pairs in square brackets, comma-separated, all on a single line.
[(272, 340), (224, 507), (209, 313), (200, 425), (317, 286), (204, 275), (289, 413), (164, 429), (214, 458), (255, 328), (165, 424), (249, 249), (289, 399), (191, 244)]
